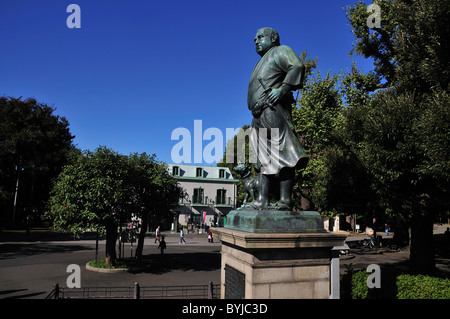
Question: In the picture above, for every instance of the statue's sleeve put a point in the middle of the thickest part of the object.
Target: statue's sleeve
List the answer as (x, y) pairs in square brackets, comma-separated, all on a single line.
[(291, 64)]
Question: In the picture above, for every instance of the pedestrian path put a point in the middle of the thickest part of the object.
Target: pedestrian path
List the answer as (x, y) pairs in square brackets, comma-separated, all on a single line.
[(174, 239)]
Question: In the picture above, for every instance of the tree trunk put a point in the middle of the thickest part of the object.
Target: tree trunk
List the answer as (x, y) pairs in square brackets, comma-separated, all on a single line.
[(111, 238), (141, 237), (422, 257)]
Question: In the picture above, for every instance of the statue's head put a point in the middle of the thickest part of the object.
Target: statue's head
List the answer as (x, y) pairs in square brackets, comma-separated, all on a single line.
[(240, 168), (265, 39)]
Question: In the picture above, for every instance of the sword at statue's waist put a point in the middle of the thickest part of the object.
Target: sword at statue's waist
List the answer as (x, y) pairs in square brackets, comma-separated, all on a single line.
[(267, 89), (264, 84)]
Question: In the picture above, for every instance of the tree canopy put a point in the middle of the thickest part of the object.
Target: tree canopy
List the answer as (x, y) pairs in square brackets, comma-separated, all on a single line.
[(98, 190), (385, 150), (34, 143)]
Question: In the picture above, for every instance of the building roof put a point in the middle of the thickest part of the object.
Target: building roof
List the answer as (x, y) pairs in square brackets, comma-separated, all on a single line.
[(210, 173)]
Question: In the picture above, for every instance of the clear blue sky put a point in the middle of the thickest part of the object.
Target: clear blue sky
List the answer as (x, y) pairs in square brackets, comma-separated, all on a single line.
[(137, 70)]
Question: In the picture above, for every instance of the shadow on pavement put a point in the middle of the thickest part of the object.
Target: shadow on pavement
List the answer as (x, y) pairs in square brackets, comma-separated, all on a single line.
[(22, 295), (197, 261), (41, 234), (8, 251)]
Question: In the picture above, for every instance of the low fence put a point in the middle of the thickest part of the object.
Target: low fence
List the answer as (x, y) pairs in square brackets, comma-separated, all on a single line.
[(209, 291)]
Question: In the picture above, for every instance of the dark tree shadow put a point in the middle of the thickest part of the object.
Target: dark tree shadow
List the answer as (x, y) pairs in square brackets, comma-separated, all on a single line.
[(27, 295), (8, 251), (159, 264)]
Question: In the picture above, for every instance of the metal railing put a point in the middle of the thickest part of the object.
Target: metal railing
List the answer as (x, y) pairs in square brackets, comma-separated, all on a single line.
[(199, 200), (209, 291), (223, 201)]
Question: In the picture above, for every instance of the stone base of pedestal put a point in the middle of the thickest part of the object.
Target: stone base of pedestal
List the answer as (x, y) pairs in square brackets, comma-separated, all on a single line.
[(275, 221), (277, 265)]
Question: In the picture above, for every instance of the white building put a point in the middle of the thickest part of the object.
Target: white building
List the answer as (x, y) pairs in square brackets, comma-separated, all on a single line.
[(210, 194)]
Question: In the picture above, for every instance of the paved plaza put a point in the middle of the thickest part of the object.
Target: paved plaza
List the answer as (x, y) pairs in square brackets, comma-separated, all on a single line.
[(30, 265)]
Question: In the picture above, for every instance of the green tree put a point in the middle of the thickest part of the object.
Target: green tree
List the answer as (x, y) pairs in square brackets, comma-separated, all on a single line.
[(335, 181), (319, 113), (375, 43), (409, 168), (93, 192), (155, 192), (422, 40), (241, 154), (410, 49), (101, 189), (351, 191), (34, 143)]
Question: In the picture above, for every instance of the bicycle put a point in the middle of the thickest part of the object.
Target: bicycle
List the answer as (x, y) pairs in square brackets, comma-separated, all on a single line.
[(370, 243)]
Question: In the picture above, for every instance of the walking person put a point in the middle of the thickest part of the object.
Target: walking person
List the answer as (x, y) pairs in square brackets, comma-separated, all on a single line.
[(162, 245), (158, 234), (182, 241), (210, 238)]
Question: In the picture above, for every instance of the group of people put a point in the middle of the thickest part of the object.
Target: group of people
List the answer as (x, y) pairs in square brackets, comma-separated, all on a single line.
[(162, 243)]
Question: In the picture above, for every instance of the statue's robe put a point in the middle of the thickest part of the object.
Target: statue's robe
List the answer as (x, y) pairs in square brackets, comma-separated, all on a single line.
[(278, 65)]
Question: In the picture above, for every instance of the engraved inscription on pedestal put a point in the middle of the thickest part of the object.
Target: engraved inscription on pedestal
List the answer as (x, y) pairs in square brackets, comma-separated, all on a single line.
[(234, 283)]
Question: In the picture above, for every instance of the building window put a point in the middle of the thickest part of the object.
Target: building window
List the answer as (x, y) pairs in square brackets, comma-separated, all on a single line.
[(199, 172), (221, 196), (222, 173), (175, 171), (198, 196)]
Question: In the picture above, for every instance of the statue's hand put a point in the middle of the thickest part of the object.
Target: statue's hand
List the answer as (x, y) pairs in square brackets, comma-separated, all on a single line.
[(276, 94)]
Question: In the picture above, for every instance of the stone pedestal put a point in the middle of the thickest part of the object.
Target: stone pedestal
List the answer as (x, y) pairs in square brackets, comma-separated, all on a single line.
[(279, 221), (279, 265)]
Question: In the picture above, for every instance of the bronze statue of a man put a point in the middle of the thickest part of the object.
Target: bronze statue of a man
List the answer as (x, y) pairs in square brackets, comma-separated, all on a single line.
[(270, 98)]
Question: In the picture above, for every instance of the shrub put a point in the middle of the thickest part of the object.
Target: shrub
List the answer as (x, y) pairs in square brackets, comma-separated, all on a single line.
[(422, 287), (359, 284), (100, 263), (407, 287)]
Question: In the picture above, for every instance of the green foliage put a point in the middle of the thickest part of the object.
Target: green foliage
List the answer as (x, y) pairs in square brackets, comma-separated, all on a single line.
[(154, 189), (34, 143), (101, 263), (316, 118), (433, 139), (104, 187), (402, 140), (410, 50), (241, 153), (359, 284), (422, 287), (422, 41), (406, 287), (375, 43), (335, 180), (400, 135), (90, 192), (356, 87), (320, 105)]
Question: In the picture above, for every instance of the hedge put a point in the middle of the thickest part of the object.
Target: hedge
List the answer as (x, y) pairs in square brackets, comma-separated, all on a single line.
[(422, 287), (407, 287), (359, 284)]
